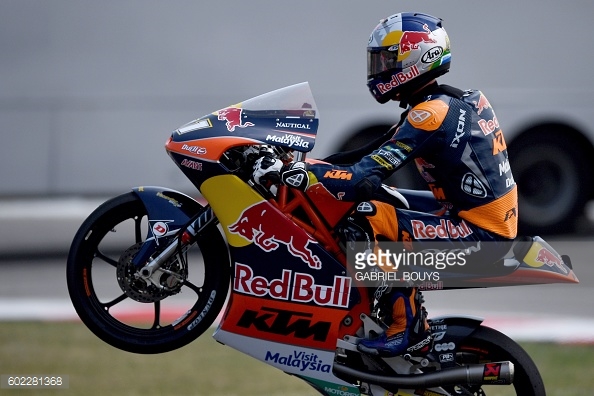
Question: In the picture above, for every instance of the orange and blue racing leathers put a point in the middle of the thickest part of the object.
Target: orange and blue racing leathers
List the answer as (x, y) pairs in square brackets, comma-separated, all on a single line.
[(457, 144)]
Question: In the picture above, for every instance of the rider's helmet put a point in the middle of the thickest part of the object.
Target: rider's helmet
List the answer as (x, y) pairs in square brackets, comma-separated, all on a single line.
[(405, 52)]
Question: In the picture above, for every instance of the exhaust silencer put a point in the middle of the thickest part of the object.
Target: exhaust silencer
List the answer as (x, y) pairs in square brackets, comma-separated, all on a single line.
[(497, 373)]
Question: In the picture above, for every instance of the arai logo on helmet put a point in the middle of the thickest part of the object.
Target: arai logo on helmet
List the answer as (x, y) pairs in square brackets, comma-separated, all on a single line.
[(432, 55), (398, 79)]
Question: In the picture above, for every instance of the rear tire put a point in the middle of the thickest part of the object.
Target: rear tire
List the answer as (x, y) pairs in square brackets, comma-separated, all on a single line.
[(121, 309), (489, 345)]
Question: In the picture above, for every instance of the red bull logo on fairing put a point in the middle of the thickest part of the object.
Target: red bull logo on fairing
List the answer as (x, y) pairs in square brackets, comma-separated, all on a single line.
[(262, 225), (233, 116), (293, 286)]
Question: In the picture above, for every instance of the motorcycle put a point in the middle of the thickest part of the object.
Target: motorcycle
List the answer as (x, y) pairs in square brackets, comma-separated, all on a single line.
[(269, 271)]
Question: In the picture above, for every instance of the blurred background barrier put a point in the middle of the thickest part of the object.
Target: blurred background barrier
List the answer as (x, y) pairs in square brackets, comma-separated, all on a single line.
[(89, 92)]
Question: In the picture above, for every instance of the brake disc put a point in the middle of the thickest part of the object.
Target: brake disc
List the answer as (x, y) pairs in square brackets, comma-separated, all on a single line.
[(163, 283)]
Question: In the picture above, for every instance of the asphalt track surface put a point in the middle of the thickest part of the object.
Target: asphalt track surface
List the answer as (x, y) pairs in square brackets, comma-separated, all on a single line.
[(35, 237)]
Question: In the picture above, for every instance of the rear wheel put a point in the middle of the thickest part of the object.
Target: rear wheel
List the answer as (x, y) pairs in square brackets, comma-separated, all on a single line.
[(128, 312), (489, 345)]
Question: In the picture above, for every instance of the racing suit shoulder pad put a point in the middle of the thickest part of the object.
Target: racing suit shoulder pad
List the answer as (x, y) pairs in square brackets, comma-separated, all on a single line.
[(428, 116)]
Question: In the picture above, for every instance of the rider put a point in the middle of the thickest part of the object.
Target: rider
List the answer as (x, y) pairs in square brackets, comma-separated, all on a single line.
[(454, 138)]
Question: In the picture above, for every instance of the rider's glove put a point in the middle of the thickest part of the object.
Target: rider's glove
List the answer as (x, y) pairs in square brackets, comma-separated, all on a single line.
[(295, 175), (269, 171)]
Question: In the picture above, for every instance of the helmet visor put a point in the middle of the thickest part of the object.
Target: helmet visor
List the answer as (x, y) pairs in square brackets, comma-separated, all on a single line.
[(382, 59)]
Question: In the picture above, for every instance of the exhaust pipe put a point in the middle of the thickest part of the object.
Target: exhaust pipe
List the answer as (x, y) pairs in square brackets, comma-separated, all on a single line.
[(498, 373)]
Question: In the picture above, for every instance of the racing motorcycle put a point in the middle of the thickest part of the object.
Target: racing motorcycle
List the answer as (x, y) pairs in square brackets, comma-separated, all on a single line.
[(268, 270)]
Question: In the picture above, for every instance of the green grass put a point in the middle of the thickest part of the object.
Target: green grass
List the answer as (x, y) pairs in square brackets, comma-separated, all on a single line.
[(204, 367)]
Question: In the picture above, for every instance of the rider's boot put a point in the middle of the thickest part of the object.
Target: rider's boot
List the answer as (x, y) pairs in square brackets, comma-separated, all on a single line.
[(409, 331)]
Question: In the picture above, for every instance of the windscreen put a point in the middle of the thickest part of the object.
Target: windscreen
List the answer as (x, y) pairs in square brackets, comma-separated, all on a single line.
[(286, 117)]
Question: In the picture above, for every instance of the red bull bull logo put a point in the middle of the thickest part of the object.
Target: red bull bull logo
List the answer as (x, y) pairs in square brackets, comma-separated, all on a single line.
[(550, 259), (411, 40), (263, 225), (233, 118), (481, 104)]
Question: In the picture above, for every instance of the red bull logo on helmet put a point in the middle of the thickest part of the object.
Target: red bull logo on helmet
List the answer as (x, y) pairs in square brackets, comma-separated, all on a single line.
[(410, 40), (263, 225), (233, 118), (398, 79)]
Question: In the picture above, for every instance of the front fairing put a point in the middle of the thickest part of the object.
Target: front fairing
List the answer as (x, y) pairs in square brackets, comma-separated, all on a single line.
[(287, 117)]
